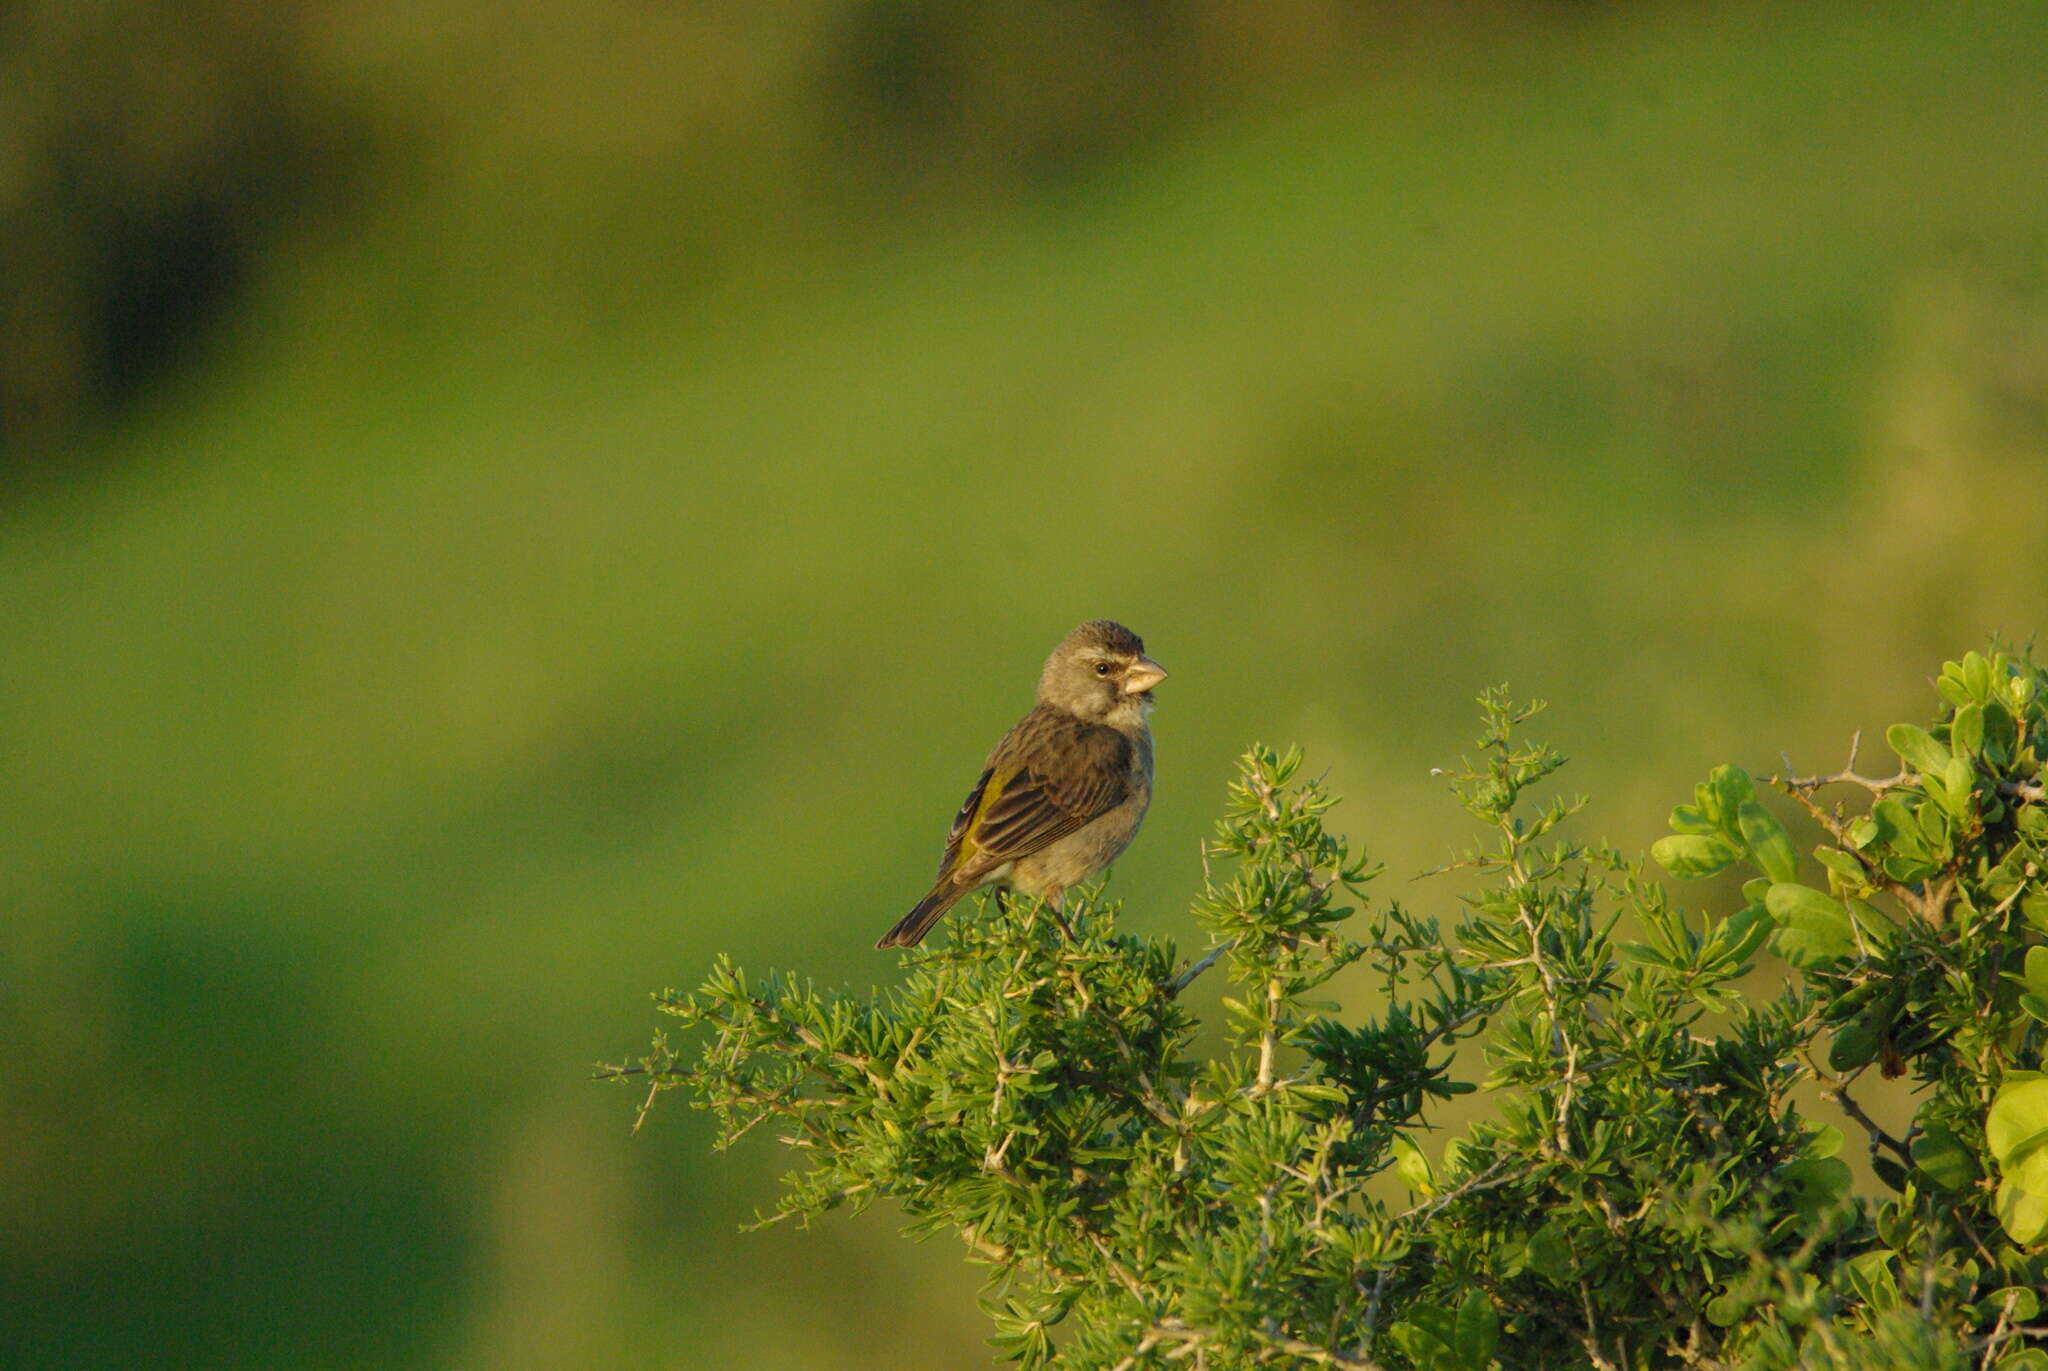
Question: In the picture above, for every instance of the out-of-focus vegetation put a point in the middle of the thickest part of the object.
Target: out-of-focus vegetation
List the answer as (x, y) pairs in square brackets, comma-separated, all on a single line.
[(629, 478), (160, 150)]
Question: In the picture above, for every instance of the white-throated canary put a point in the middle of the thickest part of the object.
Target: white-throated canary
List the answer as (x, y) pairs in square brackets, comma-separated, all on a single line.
[(1064, 792)]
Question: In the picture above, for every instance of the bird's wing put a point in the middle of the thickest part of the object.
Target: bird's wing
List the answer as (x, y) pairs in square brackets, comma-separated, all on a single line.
[(963, 821), (1052, 774)]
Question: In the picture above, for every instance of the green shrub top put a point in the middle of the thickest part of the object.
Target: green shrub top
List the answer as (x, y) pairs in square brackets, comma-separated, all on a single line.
[(1640, 1188)]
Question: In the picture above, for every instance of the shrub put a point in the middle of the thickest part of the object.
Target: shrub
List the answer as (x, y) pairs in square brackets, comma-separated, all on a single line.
[(1641, 1187)]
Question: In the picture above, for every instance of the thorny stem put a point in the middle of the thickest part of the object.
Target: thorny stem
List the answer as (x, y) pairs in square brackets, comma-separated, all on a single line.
[(1269, 1038), (1187, 977), (1519, 877), (1838, 1091)]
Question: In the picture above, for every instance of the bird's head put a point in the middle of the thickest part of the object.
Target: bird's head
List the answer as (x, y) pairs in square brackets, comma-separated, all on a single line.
[(1100, 672)]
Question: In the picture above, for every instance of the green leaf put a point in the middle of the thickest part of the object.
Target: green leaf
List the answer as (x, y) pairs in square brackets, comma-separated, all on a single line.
[(1732, 787), (1877, 929), (1690, 856), (1412, 1167), (1689, 819), (2024, 1304), (1953, 683), (1907, 870), (1811, 927), (2019, 1115), (1550, 1254), (1478, 1329), (1856, 1042), (1870, 1276), (1916, 748), (2022, 1213), (1843, 864), (1454, 1160), (1739, 935), (2016, 1130), (1940, 1156), (2037, 970), (1957, 782), (1966, 731), (1428, 1337), (1824, 1141), (1896, 825), (2000, 733), (1770, 847), (1818, 1183), (1976, 675), (1726, 1308), (1934, 818)]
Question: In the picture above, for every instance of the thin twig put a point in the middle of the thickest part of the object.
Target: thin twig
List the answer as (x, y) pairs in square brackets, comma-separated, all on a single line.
[(1186, 978), (1838, 1091)]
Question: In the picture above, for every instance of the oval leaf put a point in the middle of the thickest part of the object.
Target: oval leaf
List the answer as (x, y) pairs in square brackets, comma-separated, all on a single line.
[(2016, 1302), (1693, 855), (1731, 787), (2017, 1126), (1855, 1043), (1916, 747), (1550, 1254), (1966, 732), (1478, 1329), (1940, 1156), (2037, 970), (1689, 819), (2022, 1213), (1843, 864), (1740, 934), (1770, 847), (1957, 783), (1811, 927), (1412, 1167)]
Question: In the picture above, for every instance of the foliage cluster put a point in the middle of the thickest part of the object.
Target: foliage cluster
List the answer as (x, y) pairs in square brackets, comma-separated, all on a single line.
[(1645, 1188)]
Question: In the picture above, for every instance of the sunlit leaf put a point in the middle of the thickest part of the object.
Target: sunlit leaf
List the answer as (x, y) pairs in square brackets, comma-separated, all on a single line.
[(1917, 748), (1966, 731), (1812, 928), (1770, 847), (1412, 1166), (1693, 855), (1941, 1157), (2022, 1213)]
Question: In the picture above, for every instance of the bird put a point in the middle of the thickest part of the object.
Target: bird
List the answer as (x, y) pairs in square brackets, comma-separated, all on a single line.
[(1062, 795)]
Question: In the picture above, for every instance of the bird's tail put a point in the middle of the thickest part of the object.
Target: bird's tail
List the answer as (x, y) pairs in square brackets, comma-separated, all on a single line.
[(911, 928)]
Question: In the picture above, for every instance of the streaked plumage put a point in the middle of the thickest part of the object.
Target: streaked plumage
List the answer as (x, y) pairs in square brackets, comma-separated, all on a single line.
[(1064, 792)]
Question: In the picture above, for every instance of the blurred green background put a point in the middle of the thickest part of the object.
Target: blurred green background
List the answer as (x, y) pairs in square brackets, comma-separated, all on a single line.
[(500, 503)]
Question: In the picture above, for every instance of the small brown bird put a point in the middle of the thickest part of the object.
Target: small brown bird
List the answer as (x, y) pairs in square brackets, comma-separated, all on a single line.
[(1064, 791)]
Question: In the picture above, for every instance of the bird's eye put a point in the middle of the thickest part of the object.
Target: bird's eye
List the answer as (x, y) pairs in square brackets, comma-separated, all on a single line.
[(1102, 668)]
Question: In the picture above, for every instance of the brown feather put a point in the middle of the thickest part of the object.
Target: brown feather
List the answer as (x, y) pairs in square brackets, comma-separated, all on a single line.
[(1056, 773)]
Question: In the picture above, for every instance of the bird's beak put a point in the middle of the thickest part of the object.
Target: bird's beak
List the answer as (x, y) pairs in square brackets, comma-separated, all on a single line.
[(1142, 676)]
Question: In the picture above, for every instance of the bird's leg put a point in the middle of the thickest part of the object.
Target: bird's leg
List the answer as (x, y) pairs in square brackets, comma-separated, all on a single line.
[(1002, 901), (1052, 905)]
